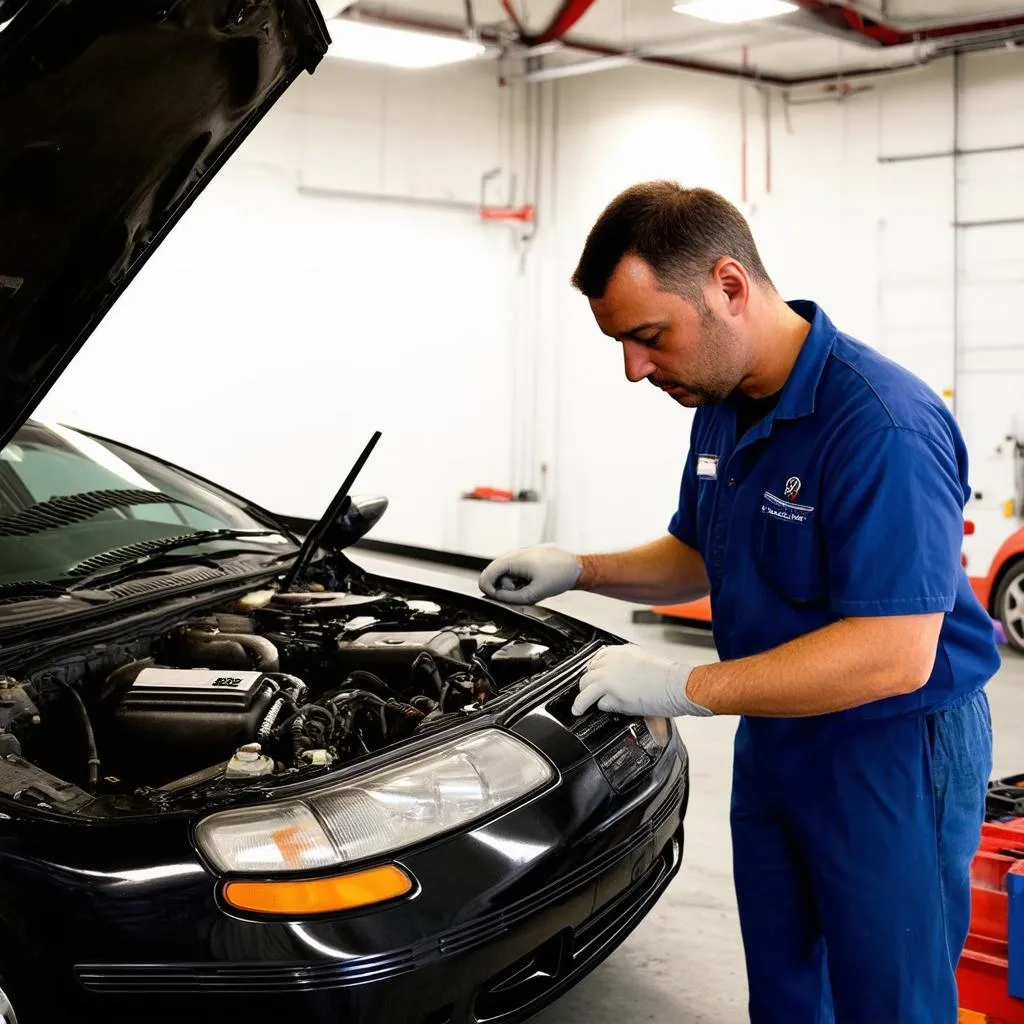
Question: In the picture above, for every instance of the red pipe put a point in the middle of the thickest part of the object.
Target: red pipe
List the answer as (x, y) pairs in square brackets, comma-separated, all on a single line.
[(879, 31), (426, 24), (523, 213), (565, 17)]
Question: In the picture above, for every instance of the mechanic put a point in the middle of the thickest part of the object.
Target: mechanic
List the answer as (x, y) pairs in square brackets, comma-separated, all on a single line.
[(821, 506)]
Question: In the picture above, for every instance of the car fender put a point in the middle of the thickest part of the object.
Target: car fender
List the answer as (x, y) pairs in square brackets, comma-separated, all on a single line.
[(1010, 552)]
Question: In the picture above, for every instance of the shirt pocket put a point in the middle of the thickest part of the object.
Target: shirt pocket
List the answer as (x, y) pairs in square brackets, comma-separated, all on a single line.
[(791, 558)]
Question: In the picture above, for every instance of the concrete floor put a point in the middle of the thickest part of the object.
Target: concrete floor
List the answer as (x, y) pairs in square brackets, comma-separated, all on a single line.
[(684, 964)]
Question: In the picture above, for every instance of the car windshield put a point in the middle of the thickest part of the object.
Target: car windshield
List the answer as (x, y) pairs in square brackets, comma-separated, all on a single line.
[(66, 498)]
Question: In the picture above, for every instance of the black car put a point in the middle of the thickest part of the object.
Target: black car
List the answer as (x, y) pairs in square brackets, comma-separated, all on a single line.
[(238, 772)]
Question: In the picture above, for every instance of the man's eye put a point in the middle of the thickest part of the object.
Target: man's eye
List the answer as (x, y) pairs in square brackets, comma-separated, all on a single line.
[(651, 340)]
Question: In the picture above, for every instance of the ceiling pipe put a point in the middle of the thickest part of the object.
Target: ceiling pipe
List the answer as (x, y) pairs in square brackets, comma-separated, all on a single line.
[(583, 67), (514, 18), (471, 29), (565, 18), (873, 27), (595, 49), (749, 74)]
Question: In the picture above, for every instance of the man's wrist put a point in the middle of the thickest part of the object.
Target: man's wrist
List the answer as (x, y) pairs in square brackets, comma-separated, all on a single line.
[(588, 578), (698, 687)]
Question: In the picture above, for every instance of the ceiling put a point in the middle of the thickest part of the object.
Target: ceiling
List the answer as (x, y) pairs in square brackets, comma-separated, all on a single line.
[(825, 38)]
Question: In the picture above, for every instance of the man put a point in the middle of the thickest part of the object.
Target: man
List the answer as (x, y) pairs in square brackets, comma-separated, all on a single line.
[(821, 505)]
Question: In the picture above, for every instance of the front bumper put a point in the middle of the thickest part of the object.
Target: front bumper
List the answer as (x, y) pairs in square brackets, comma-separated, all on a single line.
[(505, 969), (507, 916)]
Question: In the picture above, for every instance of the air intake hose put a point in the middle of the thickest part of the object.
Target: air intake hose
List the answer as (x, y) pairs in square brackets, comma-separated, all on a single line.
[(231, 650)]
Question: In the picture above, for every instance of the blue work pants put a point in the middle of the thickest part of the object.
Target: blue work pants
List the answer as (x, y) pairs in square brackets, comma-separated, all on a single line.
[(852, 845)]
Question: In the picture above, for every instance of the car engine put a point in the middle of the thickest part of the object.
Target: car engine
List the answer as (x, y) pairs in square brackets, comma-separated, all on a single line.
[(278, 682)]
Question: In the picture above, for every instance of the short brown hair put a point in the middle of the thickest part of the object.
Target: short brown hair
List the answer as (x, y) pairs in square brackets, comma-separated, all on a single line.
[(681, 233)]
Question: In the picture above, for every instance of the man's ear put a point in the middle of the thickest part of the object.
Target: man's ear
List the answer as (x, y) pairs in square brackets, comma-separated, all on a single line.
[(731, 278)]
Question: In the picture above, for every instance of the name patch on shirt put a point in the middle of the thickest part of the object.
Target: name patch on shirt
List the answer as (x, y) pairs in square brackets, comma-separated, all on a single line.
[(707, 467)]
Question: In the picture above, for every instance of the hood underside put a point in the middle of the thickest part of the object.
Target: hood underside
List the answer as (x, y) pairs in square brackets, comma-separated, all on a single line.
[(113, 117)]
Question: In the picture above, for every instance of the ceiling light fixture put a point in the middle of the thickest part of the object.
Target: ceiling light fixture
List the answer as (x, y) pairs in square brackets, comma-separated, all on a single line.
[(733, 12), (397, 47)]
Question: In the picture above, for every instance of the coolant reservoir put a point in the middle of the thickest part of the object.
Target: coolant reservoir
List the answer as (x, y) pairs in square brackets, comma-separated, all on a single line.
[(249, 762), (317, 757)]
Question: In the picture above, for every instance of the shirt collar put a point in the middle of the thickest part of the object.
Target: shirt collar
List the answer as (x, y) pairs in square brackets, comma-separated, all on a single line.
[(801, 387)]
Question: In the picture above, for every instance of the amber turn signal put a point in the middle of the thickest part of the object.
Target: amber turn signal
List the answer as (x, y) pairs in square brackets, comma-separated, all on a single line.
[(320, 895)]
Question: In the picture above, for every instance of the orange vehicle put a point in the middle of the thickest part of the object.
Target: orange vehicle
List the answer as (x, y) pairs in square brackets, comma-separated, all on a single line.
[(1001, 590)]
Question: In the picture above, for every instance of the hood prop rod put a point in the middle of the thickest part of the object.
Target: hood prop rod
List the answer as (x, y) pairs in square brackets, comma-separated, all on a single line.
[(339, 504)]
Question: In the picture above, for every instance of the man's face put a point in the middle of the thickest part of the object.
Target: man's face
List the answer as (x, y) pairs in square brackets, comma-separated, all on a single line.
[(694, 353)]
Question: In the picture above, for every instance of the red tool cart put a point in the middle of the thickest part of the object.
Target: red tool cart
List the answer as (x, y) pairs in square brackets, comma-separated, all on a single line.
[(991, 971)]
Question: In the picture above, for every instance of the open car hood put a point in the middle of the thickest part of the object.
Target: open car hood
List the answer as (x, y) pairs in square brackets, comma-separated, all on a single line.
[(113, 117)]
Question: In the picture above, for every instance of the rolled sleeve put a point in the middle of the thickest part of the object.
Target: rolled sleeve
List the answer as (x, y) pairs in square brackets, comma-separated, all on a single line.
[(683, 524), (892, 518)]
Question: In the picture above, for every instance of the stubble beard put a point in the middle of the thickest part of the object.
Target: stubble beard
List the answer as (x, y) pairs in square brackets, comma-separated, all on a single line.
[(713, 384)]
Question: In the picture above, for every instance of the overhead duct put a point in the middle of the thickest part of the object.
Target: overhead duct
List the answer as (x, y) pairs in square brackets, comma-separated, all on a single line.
[(939, 49), (868, 26)]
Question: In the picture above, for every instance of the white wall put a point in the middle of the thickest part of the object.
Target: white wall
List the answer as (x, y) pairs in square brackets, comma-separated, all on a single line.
[(282, 326), (282, 322)]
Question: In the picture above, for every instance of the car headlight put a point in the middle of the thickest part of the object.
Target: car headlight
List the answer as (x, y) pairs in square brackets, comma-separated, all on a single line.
[(378, 813)]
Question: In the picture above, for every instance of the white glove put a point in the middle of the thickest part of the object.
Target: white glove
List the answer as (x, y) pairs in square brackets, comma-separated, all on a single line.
[(529, 575), (632, 682)]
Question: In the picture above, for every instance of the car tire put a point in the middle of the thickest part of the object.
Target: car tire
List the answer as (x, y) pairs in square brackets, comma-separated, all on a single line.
[(7, 1012), (1009, 606)]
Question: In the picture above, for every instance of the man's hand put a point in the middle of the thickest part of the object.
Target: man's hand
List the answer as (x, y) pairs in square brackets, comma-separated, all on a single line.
[(531, 574), (632, 682)]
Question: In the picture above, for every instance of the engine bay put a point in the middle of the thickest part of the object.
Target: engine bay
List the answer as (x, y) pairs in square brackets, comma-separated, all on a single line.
[(273, 683)]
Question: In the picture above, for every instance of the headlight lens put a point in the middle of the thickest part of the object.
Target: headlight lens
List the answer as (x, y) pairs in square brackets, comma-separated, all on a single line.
[(456, 783)]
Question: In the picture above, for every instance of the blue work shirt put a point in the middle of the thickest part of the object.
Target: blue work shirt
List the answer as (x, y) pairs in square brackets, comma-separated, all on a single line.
[(846, 500)]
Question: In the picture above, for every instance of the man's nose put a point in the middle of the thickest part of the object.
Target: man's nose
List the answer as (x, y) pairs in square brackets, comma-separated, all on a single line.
[(638, 363)]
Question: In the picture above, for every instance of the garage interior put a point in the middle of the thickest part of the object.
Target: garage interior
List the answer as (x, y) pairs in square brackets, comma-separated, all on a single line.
[(396, 245)]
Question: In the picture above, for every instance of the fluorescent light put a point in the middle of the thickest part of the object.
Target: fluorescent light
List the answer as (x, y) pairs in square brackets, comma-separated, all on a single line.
[(397, 47), (732, 12)]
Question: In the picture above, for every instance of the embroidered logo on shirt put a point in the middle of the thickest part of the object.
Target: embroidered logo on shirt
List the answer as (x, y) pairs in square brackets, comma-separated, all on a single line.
[(792, 489), (707, 467), (775, 507)]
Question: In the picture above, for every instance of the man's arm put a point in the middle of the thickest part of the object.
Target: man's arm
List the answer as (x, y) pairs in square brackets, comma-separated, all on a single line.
[(842, 666), (666, 571)]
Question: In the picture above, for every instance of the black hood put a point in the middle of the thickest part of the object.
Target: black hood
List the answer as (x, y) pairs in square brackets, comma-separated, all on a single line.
[(114, 115)]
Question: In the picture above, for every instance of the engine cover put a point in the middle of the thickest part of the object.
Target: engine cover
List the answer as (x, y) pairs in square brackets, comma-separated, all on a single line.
[(387, 652), (174, 721), (160, 687)]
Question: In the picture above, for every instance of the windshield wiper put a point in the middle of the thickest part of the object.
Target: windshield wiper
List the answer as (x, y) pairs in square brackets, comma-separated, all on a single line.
[(67, 509), (25, 590), (118, 563)]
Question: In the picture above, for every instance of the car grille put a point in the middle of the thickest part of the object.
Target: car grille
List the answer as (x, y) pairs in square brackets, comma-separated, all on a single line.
[(623, 747), (263, 977)]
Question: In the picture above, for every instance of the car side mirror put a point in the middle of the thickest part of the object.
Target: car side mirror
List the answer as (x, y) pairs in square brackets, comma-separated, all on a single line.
[(356, 519)]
